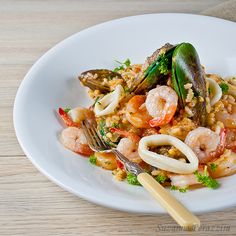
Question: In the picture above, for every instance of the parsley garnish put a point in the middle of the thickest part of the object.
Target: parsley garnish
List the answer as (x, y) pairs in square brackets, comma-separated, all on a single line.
[(123, 65), (160, 179), (182, 190), (209, 90), (213, 166), (127, 90), (206, 180), (224, 87), (102, 124), (96, 100), (67, 110), (103, 131), (132, 179), (196, 93), (173, 187), (93, 160), (164, 65), (114, 125)]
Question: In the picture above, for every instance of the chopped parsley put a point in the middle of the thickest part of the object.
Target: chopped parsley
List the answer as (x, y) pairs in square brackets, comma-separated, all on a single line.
[(123, 65), (67, 110), (115, 125), (213, 166), (93, 160), (96, 100), (160, 66), (127, 90), (206, 180), (102, 124), (182, 190), (196, 93), (224, 87), (103, 131), (164, 65), (160, 179), (173, 187), (209, 90), (132, 179)]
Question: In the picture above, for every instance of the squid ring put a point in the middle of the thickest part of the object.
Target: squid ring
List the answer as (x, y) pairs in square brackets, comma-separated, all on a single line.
[(215, 90), (107, 104), (164, 162)]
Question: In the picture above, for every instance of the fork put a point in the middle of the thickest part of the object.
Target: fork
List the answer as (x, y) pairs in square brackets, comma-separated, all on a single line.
[(179, 212)]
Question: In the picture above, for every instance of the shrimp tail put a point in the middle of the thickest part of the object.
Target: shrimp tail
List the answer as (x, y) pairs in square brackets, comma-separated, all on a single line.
[(220, 149), (156, 122), (66, 118), (164, 119), (84, 150), (126, 134), (232, 146), (222, 145)]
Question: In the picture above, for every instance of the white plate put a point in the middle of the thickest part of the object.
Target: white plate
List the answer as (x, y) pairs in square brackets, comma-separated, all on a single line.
[(52, 83)]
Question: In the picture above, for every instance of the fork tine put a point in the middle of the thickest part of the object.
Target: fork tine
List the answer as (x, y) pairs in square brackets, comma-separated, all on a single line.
[(95, 137), (100, 137), (92, 130), (89, 137), (85, 132)]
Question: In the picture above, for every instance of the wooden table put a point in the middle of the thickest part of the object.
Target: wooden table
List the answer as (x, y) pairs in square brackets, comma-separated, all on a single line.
[(29, 203)]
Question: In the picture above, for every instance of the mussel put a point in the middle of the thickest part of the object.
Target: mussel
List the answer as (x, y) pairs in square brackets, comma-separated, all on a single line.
[(186, 68), (96, 79), (158, 65), (182, 64)]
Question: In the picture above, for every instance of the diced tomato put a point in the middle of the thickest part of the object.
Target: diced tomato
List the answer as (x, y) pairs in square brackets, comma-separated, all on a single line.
[(120, 165)]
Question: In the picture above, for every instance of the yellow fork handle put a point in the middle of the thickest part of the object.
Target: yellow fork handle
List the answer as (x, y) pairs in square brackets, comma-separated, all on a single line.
[(179, 213)]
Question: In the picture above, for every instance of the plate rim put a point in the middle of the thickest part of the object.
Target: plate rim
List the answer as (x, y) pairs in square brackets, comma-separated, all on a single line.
[(55, 179)]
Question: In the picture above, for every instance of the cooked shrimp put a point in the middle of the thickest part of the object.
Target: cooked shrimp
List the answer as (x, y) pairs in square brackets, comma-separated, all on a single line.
[(225, 165), (128, 145), (129, 148), (74, 139), (228, 118), (185, 180), (161, 104), (231, 139), (79, 114), (206, 144), (75, 116), (136, 112)]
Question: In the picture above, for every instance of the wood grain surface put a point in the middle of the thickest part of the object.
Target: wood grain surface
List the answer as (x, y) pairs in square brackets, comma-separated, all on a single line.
[(29, 203)]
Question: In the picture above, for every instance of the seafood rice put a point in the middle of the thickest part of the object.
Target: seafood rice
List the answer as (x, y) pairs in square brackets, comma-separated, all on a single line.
[(167, 114)]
